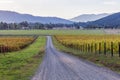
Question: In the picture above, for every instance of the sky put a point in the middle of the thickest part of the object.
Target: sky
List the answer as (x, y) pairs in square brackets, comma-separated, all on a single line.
[(61, 8)]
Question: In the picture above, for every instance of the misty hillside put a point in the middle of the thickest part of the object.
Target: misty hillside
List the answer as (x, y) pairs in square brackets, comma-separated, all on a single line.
[(10, 17), (89, 17)]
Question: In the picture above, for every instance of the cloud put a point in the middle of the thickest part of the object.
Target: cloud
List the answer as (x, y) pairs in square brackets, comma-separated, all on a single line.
[(110, 3), (6, 1)]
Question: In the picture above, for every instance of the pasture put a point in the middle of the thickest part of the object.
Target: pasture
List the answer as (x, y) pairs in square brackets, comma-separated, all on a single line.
[(50, 32)]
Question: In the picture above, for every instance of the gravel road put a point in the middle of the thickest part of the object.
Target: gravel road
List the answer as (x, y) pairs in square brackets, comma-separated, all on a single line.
[(61, 66)]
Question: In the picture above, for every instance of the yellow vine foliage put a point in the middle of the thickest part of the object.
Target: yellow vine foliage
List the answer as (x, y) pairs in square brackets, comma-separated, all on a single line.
[(76, 41), (14, 43)]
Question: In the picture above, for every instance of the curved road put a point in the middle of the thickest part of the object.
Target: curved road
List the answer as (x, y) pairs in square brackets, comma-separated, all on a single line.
[(60, 66)]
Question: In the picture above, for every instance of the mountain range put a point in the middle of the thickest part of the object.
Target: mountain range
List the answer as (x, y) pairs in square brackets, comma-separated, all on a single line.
[(11, 17), (111, 20), (89, 17), (86, 19)]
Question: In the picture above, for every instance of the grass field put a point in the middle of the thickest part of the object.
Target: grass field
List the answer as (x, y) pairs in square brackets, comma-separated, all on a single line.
[(100, 59), (22, 64), (50, 32)]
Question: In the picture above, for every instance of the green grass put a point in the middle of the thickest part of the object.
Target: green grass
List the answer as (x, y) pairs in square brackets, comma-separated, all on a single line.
[(107, 61), (50, 32), (21, 65)]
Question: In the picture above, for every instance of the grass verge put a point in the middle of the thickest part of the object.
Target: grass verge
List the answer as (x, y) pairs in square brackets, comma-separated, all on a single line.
[(112, 63), (50, 32), (21, 65)]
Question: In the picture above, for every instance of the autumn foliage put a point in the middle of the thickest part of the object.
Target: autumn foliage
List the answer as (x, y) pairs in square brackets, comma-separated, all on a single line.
[(9, 44), (102, 44)]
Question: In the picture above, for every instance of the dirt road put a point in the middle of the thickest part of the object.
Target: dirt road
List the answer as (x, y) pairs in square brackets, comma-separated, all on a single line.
[(60, 66)]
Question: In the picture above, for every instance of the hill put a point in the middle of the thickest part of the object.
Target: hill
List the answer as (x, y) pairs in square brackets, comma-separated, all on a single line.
[(11, 17), (88, 17), (111, 21)]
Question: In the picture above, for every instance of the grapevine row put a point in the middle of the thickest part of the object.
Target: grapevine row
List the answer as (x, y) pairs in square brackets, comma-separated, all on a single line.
[(101, 44), (9, 44)]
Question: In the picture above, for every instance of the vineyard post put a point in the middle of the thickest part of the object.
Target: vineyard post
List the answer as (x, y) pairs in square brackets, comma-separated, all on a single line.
[(112, 49), (91, 48), (80, 48), (99, 48), (77, 47), (0, 49), (88, 47), (3, 50), (7, 48), (119, 48), (83, 47), (104, 48), (95, 47)]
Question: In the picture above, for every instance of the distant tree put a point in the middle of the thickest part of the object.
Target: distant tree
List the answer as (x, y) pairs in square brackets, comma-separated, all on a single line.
[(24, 24)]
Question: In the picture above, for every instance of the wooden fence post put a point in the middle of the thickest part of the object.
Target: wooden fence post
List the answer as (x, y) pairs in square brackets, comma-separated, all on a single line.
[(0, 49), (3, 50), (91, 47), (83, 48), (99, 48), (119, 48), (80, 48), (104, 48), (112, 49), (95, 47), (88, 47)]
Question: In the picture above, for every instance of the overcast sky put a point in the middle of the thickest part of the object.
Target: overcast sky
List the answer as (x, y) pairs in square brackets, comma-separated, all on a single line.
[(61, 8)]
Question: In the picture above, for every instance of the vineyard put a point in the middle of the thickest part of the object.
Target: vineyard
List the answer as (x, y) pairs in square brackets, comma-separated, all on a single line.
[(20, 65), (102, 44), (9, 44)]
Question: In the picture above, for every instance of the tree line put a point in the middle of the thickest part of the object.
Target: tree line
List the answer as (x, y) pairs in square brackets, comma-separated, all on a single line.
[(26, 25)]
